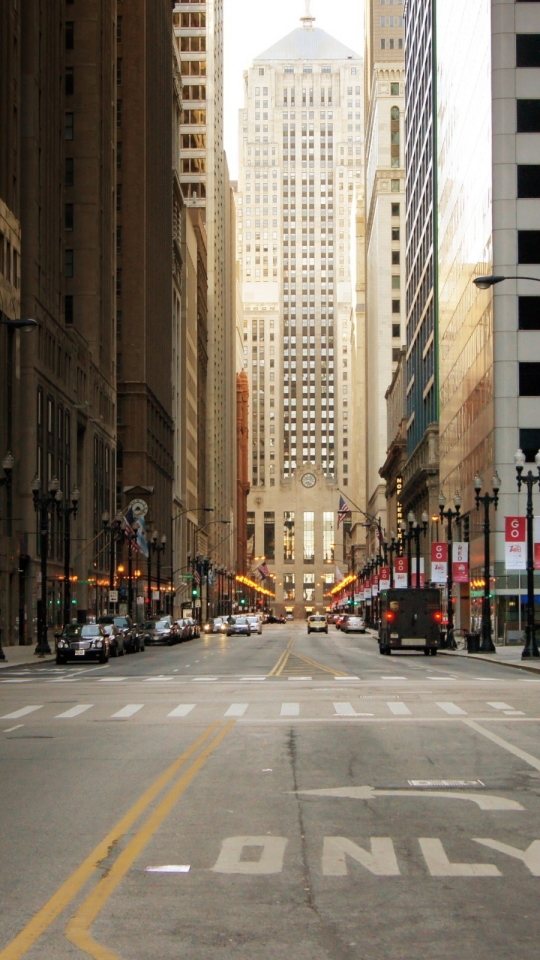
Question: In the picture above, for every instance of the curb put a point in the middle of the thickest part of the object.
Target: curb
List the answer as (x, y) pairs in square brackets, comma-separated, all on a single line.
[(8, 664), (501, 663)]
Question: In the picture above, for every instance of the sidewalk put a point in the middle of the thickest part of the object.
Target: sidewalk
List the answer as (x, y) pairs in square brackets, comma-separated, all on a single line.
[(505, 656), (23, 656)]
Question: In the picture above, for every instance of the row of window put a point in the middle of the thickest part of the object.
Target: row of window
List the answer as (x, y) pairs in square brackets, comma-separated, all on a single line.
[(289, 535)]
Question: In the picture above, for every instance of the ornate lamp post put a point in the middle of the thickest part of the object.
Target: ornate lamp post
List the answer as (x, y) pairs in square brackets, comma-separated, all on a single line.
[(392, 549), (414, 532), (68, 512), (43, 502), (7, 463), (487, 645), (449, 515), (530, 649)]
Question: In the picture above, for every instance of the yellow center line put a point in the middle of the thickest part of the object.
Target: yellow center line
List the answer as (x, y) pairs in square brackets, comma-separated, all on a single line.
[(42, 920), (277, 670), (77, 929), (321, 666)]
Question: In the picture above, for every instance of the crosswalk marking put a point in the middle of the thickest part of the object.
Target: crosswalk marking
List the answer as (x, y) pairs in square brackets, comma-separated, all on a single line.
[(345, 709), (290, 710), (74, 711), (399, 709), (23, 712), (236, 710), (499, 705), (128, 710), (182, 710), (452, 709), (111, 679)]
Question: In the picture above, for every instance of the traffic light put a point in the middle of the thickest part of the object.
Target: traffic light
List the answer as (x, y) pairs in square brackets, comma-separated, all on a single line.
[(194, 589), (242, 601)]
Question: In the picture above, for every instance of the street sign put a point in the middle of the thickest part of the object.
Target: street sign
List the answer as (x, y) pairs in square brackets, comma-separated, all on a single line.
[(197, 604), (113, 596)]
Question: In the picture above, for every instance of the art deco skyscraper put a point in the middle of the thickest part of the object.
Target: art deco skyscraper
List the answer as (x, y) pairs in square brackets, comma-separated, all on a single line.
[(301, 148)]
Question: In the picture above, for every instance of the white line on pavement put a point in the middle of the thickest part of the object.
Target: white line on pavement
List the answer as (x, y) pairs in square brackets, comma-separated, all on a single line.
[(182, 710), (522, 754), (290, 710), (236, 710), (128, 710), (74, 711), (23, 712), (499, 705), (16, 727), (452, 709), (399, 709)]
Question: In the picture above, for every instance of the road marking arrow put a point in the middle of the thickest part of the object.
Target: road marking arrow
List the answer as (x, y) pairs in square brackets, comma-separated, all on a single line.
[(483, 801)]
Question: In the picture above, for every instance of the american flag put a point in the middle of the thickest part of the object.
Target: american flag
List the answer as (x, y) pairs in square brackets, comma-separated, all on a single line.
[(343, 511), (132, 525), (197, 577), (264, 571)]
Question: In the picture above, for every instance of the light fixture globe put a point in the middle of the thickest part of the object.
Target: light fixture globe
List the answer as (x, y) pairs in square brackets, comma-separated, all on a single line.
[(478, 483), (519, 459), (8, 462)]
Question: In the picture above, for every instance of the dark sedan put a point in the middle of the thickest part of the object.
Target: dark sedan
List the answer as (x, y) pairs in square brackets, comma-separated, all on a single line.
[(82, 642), (160, 631)]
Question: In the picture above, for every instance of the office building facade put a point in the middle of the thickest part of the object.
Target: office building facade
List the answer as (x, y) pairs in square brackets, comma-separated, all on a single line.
[(301, 167)]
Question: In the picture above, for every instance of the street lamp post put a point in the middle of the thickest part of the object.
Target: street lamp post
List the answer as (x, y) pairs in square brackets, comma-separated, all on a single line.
[(158, 548), (414, 532), (449, 515), (530, 649), (7, 463), (43, 502), (115, 533), (392, 548), (487, 645), (68, 512)]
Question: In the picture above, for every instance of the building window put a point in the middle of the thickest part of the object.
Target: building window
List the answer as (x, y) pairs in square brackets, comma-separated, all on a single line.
[(288, 535), (68, 217), (119, 29), (528, 246), (250, 536), (396, 306), (394, 186), (528, 50), (70, 34), (68, 126), (529, 313), (394, 138), (119, 72), (328, 537), (68, 260), (69, 171), (288, 586), (395, 258), (528, 116), (309, 587), (118, 113), (528, 176), (269, 535), (395, 233), (395, 354), (529, 442), (68, 309), (309, 537), (396, 330), (395, 209), (69, 82), (394, 89), (529, 379)]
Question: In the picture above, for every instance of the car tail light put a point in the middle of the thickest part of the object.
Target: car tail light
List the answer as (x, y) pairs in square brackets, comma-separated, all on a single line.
[(390, 616)]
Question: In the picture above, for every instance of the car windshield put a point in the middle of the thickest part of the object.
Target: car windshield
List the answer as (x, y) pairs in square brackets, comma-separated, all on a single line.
[(91, 630), (72, 631), (241, 620), (121, 621), (163, 625), (318, 619), (149, 625), (108, 628)]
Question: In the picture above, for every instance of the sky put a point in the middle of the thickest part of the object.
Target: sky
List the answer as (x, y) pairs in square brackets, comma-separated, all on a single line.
[(251, 26)]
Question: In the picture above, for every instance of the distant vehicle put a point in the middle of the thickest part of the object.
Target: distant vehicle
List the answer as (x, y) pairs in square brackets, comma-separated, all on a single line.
[(82, 642), (289, 616), (331, 618), (160, 631), (317, 624), (133, 639), (117, 639), (255, 623), (272, 619), (339, 620), (239, 625), (215, 625), (195, 630), (410, 620), (353, 625)]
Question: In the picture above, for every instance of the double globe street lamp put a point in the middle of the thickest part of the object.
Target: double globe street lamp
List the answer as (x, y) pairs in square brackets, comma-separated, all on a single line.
[(530, 649), (486, 499), (450, 515), (413, 533)]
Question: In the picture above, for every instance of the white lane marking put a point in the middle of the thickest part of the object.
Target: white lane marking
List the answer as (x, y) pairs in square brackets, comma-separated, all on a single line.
[(399, 709), (16, 727), (28, 680), (299, 678), (110, 679), (182, 710), (236, 710), (393, 678), (530, 857), (129, 710), (441, 678), (290, 710), (270, 861), (252, 678), (522, 754), (346, 678), (381, 861), (74, 711), (344, 709), (514, 713), (439, 865), (499, 705), (23, 712), (170, 868), (157, 679), (483, 801), (452, 709), (203, 679)]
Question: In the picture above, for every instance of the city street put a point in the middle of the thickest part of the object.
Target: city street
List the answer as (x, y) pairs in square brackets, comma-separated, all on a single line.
[(270, 797)]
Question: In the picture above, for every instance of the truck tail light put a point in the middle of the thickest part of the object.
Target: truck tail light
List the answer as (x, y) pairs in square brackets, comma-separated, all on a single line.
[(438, 616), (390, 616)]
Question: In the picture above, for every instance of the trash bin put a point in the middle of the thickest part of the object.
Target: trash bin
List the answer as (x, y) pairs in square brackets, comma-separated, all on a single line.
[(473, 642)]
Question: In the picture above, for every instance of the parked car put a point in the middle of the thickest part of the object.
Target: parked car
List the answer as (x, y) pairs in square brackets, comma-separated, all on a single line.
[(353, 624), (255, 623), (316, 623), (82, 642), (196, 632), (239, 625), (133, 638), (117, 639), (184, 630), (160, 631), (272, 619)]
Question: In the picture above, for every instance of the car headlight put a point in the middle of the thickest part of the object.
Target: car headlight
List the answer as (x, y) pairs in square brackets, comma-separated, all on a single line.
[(62, 643), (98, 643)]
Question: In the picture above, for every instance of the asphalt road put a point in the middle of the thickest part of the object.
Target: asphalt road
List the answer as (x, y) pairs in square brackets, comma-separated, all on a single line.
[(270, 797)]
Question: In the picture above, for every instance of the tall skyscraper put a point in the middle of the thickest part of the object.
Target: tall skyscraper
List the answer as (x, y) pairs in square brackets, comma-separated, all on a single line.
[(420, 475), (385, 232), (301, 149)]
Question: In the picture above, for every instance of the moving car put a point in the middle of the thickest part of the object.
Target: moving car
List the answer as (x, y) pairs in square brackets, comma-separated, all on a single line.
[(352, 624), (215, 625), (239, 625), (317, 623), (82, 642), (255, 623), (160, 631)]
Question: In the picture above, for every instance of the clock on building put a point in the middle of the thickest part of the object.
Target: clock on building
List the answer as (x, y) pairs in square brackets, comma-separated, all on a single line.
[(309, 480)]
